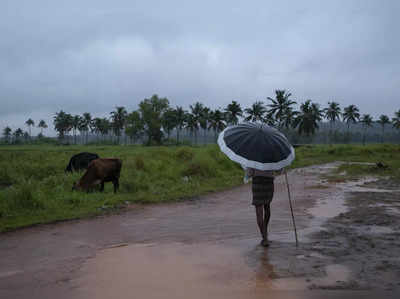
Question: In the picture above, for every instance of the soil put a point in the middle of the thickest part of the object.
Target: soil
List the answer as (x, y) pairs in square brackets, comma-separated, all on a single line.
[(348, 241)]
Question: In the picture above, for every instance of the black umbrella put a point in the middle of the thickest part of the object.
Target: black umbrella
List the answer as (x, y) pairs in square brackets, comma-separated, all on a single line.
[(258, 146)]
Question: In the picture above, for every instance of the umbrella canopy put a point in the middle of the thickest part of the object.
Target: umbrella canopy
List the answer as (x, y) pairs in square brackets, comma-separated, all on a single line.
[(256, 146)]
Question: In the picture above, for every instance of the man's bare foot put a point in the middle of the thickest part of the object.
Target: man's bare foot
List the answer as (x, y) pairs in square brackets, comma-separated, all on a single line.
[(264, 243)]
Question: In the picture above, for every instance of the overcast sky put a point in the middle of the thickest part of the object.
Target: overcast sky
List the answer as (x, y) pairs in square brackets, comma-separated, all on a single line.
[(93, 55)]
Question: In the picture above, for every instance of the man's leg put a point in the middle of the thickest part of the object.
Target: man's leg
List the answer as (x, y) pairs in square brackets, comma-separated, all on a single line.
[(267, 216), (260, 220)]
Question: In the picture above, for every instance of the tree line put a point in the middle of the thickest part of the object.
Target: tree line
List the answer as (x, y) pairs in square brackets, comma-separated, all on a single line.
[(155, 120)]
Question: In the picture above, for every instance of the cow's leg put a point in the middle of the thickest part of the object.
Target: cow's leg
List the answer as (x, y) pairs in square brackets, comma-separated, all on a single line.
[(116, 185), (102, 186)]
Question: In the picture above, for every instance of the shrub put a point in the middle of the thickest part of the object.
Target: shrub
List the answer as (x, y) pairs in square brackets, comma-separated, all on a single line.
[(199, 167), (184, 154), (22, 197), (139, 163), (5, 177)]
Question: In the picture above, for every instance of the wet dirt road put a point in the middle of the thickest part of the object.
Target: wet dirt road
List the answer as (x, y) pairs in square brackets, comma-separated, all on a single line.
[(206, 245)]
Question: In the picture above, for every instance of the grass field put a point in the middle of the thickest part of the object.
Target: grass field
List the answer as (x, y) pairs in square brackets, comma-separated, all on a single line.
[(34, 188)]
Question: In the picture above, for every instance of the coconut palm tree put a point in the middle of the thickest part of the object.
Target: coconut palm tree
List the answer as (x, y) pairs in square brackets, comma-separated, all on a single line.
[(217, 122), (332, 114), (18, 133), (196, 110), (233, 112), (203, 122), (85, 122), (396, 120), (366, 121), (76, 121), (351, 114), (93, 128), (118, 118), (180, 115), (30, 123), (7, 133), (62, 123), (82, 127), (26, 136), (134, 126), (192, 125), (383, 121), (289, 117), (307, 120), (280, 107), (104, 127), (96, 126), (42, 125), (168, 121), (255, 112)]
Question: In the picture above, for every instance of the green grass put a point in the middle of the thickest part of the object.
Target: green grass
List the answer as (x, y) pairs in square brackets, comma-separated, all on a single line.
[(34, 188)]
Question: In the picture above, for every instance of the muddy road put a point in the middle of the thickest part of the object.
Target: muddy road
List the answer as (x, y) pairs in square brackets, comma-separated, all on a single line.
[(349, 237)]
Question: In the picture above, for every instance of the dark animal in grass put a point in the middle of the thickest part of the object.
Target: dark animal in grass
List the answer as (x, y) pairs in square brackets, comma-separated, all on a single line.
[(80, 161), (98, 172), (381, 165)]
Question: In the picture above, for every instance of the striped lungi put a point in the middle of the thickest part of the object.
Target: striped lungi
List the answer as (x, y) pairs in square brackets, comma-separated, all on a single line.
[(263, 190)]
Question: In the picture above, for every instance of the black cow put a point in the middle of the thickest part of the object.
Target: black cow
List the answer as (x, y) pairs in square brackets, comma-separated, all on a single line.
[(80, 161)]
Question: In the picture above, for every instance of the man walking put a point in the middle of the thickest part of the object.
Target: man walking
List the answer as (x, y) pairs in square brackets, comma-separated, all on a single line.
[(263, 192)]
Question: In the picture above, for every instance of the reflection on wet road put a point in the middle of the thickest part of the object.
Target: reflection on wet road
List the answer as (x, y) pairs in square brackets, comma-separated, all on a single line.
[(208, 244)]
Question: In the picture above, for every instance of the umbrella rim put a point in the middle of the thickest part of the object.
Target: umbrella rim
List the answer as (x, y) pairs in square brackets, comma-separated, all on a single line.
[(250, 163)]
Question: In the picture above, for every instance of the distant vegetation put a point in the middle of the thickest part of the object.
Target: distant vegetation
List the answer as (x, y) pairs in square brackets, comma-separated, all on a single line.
[(35, 189), (156, 122)]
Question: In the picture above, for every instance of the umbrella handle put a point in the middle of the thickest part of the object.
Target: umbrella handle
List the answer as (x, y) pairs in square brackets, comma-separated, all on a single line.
[(291, 209)]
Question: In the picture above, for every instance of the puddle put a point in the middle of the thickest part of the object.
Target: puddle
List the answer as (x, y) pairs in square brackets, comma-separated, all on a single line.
[(330, 207), (10, 273), (393, 210), (389, 208), (377, 229), (189, 248), (335, 274), (166, 269), (361, 185), (240, 266), (334, 204), (146, 269)]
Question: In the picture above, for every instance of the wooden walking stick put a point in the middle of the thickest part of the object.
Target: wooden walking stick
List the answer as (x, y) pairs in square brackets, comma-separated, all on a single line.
[(291, 209)]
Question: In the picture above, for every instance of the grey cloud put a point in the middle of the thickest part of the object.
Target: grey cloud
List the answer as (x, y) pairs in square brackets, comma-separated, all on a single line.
[(94, 55)]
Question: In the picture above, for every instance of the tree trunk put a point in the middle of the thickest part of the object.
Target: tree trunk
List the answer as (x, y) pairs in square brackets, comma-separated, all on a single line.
[(364, 137)]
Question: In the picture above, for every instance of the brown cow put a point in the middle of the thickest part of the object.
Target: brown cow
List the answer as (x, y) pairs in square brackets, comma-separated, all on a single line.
[(99, 171)]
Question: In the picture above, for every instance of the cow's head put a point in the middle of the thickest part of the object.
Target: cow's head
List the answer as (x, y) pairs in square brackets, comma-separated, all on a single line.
[(75, 186)]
